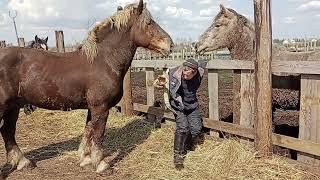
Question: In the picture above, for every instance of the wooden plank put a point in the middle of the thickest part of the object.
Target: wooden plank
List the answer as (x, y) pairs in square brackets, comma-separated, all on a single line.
[(298, 67), (309, 124), (308, 147), (263, 95), (279, 140), (126, 102), (150, 94), (21, 42), (213, 92), (213, 86), (247, 99), (229, 128), (60, 41), (149, 86), (236, 96), (215, 64)]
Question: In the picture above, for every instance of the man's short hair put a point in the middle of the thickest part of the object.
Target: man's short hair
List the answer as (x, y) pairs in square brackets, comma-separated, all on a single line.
[(191, 63)]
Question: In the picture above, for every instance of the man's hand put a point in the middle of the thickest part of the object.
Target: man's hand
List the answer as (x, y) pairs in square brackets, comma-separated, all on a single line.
[(160, 81)]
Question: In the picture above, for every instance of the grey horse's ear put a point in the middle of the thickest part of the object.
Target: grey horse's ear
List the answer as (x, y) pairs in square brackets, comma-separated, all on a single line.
[(224, 10), (46, 39), (140, 7)]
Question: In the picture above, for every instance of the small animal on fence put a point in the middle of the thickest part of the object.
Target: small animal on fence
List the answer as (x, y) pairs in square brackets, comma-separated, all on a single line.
[(88, 78), (41, 44)]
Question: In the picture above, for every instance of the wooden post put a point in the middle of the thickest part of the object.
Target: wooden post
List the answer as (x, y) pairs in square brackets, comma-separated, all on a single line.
[(21, 42), (3, 44), (213, 91), (126, 102), (150, 96), (309, 119), (263, 80), (236, 95), (149, 86), (60, 41)]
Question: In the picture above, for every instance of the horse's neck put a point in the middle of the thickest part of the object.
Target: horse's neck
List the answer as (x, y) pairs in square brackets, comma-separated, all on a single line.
[(117, 53), (242, 46)]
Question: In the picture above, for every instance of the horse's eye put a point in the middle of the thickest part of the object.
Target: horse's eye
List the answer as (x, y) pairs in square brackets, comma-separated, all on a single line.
[(217, 25)]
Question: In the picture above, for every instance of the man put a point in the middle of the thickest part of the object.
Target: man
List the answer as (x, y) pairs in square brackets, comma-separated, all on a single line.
[(181, 85)]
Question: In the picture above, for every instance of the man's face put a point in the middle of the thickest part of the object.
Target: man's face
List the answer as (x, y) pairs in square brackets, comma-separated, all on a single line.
[(188, 73)]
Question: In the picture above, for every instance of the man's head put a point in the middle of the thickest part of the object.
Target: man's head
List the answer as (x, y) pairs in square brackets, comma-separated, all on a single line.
[(190, 68)]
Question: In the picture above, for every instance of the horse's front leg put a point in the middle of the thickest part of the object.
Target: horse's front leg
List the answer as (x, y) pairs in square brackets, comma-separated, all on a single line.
[(91, 148)]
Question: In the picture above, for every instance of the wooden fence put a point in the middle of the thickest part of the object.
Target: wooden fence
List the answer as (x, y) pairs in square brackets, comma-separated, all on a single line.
[(308, 142)]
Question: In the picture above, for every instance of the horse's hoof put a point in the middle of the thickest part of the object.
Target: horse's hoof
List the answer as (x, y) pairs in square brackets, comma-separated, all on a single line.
[(102, 167), (86, 161), (25, 163)]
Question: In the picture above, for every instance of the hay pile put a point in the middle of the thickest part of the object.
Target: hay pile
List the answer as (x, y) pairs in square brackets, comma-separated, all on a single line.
[(215, 159), (137, 151)]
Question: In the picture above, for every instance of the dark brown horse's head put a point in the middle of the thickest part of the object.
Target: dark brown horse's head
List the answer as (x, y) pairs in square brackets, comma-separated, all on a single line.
[(145, 32), (226, 29), (40, 43)]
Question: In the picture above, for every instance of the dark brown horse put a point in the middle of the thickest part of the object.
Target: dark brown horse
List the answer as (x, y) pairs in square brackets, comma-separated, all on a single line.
[(39, 43), (89, 78)]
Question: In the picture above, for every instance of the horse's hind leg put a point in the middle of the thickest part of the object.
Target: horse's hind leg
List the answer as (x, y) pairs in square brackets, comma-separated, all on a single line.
[(8, 130)]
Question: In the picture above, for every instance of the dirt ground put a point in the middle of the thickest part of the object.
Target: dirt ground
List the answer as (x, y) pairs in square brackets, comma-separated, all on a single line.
[(135, 150)]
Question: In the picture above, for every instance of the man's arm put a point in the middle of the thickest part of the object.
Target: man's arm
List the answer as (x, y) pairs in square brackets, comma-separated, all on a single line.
[(203, 64)]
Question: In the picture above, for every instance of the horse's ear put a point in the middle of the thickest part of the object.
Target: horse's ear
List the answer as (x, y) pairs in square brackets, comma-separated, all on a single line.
[(223, 9), (46, 39), (140, 7), (36, 38)]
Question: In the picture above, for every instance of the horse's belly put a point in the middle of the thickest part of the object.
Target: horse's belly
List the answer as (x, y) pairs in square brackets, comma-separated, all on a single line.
[(55, 99)]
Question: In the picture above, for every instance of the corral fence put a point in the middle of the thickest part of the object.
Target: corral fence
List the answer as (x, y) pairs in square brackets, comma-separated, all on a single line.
[(308, 143), (252, 112)]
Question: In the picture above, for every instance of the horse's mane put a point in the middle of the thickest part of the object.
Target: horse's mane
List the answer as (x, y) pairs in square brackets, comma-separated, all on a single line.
[(119, 20)]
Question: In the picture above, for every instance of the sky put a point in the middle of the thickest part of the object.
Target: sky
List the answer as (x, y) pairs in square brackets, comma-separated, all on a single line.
[(182, 19)]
